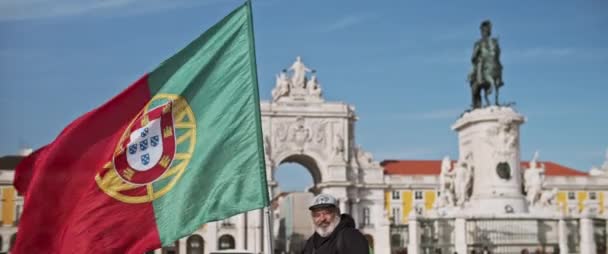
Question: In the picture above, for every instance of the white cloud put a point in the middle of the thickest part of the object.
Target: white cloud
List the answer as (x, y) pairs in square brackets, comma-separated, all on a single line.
[(346, 22), (542, 52), (436, 114), (553, 53), (33, 9), (15, 10)]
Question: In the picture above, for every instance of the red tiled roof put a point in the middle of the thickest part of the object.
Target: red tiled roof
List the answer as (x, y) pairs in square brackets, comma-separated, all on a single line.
[(433, 167), (554, 169), (411, 167)]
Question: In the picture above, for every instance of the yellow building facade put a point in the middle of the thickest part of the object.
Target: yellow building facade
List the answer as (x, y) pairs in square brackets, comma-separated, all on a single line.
[(414, 188), (12, 203)]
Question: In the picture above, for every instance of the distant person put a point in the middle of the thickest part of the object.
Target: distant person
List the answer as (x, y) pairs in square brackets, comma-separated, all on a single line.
[(334, 232), (525, 251)]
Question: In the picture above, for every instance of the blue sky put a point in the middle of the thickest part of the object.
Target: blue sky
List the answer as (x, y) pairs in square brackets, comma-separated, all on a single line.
[(402, 64)]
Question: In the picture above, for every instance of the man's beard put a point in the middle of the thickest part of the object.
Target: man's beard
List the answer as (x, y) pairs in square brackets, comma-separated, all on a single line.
[(325, 231)]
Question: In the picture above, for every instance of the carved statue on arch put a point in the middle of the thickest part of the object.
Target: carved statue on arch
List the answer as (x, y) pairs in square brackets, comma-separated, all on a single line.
[(268, 151), (282, 86), (301, 134), (299, 73), (339, 146), (313, 86)]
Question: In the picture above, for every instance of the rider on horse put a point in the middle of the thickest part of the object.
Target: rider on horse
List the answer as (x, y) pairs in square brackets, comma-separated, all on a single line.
[(487, 70)]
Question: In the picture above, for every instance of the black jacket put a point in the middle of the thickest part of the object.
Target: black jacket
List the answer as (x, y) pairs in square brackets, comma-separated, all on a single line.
[(351, 240)]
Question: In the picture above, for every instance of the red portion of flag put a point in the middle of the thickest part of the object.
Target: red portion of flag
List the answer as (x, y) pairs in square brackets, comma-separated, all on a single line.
[(65, 211), (25, 170)]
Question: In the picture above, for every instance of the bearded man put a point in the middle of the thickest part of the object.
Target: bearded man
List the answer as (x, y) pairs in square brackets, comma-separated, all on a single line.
[(334, 232)]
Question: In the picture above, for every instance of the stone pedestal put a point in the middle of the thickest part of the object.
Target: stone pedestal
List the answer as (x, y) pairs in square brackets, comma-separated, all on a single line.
[(489, 143)]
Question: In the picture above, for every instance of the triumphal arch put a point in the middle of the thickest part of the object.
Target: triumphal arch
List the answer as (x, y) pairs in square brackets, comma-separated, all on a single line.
[(300, 126)]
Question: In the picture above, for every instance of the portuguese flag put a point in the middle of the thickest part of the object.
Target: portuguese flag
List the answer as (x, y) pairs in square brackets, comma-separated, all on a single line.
[(180, 147)]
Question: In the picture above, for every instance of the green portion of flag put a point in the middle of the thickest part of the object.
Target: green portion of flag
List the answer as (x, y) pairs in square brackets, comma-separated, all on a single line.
[(216, 74)]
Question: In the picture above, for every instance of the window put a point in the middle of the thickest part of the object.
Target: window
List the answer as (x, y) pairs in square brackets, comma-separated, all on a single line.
[(396, 215), (592, 195), (419, 209), (366, 216), (226, 242), (571, 195), (227, 222), (397, 241), (418, 195), (196, 245), (396, 195)]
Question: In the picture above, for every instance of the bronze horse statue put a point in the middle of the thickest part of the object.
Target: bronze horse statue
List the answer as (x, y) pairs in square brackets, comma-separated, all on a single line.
[(486, 74)]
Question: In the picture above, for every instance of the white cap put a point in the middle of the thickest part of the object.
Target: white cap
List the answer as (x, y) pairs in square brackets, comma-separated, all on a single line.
[(323, 200)]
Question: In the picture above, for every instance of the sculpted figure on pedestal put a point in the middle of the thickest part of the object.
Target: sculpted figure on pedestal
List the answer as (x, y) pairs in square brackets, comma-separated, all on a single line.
[(365, 159), (297, 86), (299, 73), (313, 86), (547, 198), (281, 86), (533, 181), (462, 181), (446, 184), (507, 135)]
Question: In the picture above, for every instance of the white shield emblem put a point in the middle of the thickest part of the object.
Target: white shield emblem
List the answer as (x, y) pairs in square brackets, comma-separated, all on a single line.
[(145, 147)]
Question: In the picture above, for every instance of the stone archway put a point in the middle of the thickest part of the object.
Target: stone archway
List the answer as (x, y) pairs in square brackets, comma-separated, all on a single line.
[(300, 126), (307, 162)]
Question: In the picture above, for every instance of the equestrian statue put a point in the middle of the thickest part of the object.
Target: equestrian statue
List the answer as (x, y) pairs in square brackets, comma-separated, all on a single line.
[(486, 74)]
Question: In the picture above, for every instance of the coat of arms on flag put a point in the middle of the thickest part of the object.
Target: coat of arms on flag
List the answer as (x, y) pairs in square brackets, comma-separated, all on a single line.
[(147, 151), (157, 145)]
